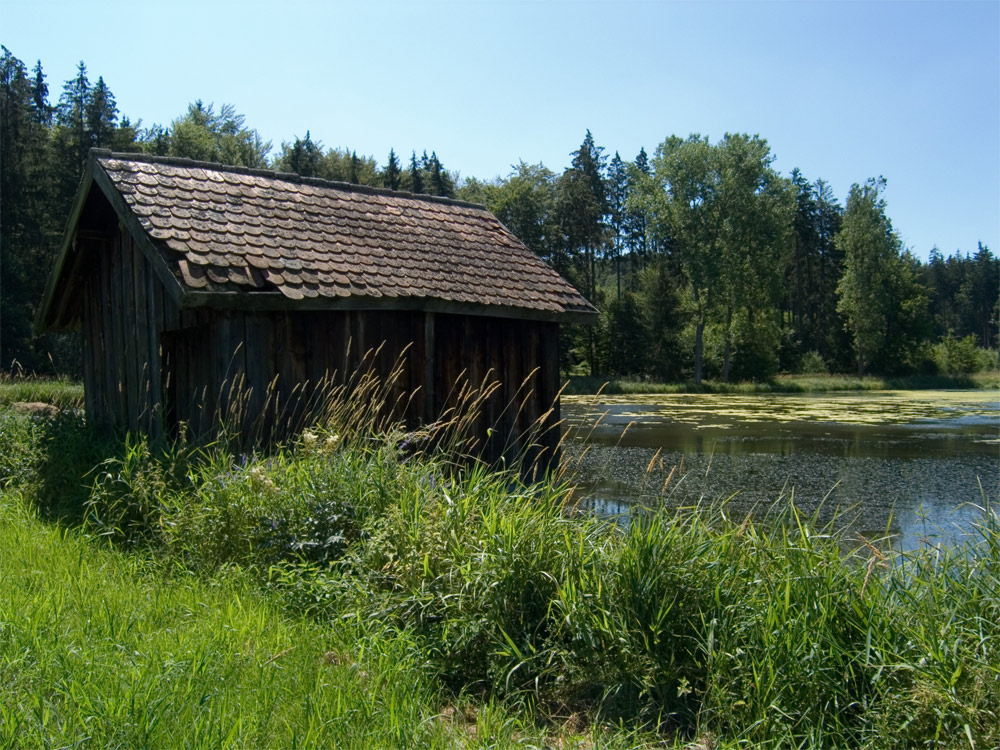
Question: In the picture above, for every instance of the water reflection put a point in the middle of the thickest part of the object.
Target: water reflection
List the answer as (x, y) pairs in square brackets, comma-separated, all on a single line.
[(913, 465)]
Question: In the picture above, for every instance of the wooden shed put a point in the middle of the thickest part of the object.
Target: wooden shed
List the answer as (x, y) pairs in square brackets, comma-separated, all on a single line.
[(188, 278)]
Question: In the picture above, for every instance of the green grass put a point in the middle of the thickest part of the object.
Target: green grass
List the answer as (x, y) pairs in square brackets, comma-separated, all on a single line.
[(342, 592), (60, 392), (586, 385), (105, 649)]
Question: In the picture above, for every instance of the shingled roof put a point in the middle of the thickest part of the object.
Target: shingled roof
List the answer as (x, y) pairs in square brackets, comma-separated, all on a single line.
[(234, 236)]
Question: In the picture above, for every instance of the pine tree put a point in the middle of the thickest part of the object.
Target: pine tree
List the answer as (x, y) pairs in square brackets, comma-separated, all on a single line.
[(617, 190), (581, 208), (101, 115), (416, 175), (355, 169), (636, 217), (440, 182), (28, 229), (391, 173), (303, 157), (40, 96), (71, 117)]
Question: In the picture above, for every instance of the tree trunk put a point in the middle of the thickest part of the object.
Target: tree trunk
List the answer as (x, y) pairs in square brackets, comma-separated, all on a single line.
[(727, 352), (591, 351), (699, 333)]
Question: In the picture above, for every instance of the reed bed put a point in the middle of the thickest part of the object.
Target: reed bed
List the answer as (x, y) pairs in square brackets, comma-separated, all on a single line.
[(523, 621)]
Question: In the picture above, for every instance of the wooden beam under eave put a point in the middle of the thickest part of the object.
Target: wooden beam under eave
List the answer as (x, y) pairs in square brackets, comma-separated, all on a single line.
[(430, 408), (272, 301)]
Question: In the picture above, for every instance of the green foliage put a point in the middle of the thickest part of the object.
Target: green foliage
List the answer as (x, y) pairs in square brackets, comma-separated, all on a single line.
[(726, 215), (812, 269), (965, 293), (955, 356), (623, 344), (27, 224), (879, 295), (303, 157), (581, 205), (525, 203), (435, 580), (391, 174), (812, 363), (666, 313), (112, 650), (20, 439), (223, 137)]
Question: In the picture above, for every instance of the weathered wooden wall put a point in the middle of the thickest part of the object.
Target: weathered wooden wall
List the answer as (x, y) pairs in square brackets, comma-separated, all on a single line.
[(124, 311), (261, 369), (150, 366)]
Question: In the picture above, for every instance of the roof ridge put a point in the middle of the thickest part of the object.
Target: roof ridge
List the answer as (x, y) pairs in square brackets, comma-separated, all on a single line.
[(183, 161)]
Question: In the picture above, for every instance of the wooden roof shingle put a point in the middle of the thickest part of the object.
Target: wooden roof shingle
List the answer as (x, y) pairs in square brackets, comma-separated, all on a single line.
[(279, 241)]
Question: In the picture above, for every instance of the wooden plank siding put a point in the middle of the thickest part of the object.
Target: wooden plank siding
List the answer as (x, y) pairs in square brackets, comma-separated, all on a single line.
[(123, 314), (151, 367)]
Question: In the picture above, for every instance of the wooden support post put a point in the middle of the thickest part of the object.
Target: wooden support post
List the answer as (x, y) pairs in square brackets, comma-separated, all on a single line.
[(430, 407)]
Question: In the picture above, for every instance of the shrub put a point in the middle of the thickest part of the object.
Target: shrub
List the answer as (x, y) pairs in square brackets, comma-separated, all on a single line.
[(812, 363), (20, 448), (955, 356)]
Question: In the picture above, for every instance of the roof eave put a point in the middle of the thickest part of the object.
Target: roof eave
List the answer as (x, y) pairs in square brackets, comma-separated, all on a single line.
[(275, 301), (42, 324), (95, 174)]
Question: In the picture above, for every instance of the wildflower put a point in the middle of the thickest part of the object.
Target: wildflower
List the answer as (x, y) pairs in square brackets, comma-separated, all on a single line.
[(260, 480)]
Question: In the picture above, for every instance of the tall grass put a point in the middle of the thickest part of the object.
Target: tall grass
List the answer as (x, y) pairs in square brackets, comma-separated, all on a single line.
[(59, 392), (519, 613)]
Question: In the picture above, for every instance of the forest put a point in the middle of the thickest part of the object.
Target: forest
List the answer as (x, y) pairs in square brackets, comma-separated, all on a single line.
[(704, 261)]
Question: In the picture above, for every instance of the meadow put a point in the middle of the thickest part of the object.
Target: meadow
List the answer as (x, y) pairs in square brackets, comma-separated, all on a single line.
[(345, 590)]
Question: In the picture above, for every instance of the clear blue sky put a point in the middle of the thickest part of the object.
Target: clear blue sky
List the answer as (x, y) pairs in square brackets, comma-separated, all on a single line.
[(842, 90)]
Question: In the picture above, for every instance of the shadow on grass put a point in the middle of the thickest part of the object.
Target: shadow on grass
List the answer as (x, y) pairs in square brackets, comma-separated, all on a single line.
[(55, 459)]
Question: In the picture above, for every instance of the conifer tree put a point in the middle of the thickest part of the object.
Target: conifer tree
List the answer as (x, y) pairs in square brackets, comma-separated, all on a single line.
[(354, 170), (617, 190), (71, 117), (440, 182), (391, 173), (40, 96), (416, 175), (303, 157), (101, 115), (879, 294), (28, 229), (581, 208), (636, 218)]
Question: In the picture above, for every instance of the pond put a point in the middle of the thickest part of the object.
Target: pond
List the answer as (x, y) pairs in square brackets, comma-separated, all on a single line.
[(916, 465)]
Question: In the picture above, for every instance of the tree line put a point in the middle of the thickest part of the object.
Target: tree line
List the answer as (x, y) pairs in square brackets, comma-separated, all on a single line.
[(703, 260)]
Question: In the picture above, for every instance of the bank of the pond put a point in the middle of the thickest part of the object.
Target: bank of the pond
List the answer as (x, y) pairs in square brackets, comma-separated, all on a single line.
[(457, 607), (580, 385)]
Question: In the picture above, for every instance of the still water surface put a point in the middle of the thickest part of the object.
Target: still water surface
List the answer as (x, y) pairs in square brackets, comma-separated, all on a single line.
[(918, 465)]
